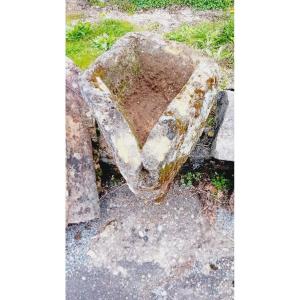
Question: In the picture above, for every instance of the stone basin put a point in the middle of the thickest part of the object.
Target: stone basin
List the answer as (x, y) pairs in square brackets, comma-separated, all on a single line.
[(151, 99)]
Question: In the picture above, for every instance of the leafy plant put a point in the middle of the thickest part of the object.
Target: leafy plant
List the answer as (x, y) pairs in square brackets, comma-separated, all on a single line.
[(103, 42), (190, 178), (79, 31), (220, 182), (86, 41)]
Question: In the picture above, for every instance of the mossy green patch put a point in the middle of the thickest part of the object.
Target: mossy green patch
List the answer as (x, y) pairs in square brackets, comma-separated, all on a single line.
[(98, 3), (73, 17), (86, 41)]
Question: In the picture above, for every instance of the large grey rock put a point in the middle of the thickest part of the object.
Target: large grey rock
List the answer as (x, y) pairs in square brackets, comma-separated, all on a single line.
[(223, 146), (82, 201), (150, 164)]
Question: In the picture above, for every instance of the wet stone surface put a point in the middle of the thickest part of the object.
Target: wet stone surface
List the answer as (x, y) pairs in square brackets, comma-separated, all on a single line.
[(140, 250)]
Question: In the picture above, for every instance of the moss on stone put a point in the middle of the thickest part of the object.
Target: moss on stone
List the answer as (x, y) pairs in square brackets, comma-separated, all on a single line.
[(168, 171)]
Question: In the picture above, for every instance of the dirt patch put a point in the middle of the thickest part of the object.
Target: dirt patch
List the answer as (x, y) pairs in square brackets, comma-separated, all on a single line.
[(211, 198), (158, 81)]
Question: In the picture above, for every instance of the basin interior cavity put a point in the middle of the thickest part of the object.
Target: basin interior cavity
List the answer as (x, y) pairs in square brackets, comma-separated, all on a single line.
[(144, 78)]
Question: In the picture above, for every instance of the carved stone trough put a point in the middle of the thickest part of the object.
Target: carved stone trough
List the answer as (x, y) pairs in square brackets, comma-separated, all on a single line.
[(151, 99)]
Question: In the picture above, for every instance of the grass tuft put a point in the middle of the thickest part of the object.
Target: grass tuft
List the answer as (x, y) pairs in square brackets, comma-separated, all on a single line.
[(215, 38), (86, 41)]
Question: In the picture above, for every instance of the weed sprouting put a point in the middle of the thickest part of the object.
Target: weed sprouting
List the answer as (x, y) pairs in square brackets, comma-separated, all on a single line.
[(220, 182), (190, 178)]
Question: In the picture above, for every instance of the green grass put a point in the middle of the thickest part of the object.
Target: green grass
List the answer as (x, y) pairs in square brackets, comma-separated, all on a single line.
[(86, 41), (216, 39), (199, 4), (146, 4), (220, 182)]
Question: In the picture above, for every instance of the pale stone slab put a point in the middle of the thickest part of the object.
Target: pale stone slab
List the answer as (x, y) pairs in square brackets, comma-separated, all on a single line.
[(223, 147)]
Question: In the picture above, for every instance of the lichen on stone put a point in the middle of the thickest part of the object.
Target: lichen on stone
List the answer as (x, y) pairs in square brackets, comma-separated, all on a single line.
[(181, 127), (211, 82)]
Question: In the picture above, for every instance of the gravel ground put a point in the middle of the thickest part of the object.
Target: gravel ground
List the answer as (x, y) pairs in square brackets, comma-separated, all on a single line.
[(159, 20), (140, 250)]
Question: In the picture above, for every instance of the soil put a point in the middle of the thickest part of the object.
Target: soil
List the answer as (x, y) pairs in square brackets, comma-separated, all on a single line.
[(158, 82)]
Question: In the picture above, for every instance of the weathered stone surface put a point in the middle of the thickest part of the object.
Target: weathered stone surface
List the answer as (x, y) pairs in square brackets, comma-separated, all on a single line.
[(150, 168), (105, 152), (203, 148), (82, 202), (223, 146)]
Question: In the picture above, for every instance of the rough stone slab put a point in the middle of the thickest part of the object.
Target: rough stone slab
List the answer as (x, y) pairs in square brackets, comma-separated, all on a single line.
[(223, 146), (82, 201), (149, 170)]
